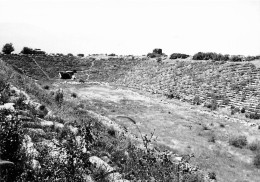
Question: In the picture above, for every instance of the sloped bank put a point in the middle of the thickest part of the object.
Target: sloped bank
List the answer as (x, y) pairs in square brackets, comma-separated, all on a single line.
[(71, 144)]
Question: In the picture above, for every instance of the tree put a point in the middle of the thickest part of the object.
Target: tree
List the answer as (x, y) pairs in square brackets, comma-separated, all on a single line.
[(27, 50), (8, 48), (80, 55)]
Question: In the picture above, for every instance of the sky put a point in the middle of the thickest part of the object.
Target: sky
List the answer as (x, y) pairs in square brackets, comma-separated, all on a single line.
[(133, 27)]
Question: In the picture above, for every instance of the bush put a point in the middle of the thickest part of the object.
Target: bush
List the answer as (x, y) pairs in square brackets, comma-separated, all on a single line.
[(81, 80), (257, 160), (111, 131), (196, 100), (212, 175), (210, 56), (8, 48), (153, 55), (80, 55), (238, 141), (221, 125), (59, 97), (254, 146), (4, 92), (27, 50), (212, 105), (157, 51), (236, 58), (47, 87), (212, 139), (74, 95), (11, 145), (254, 115), (178, 55)]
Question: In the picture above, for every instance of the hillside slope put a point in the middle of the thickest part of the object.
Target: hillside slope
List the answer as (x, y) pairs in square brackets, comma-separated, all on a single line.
[(45, 136), (32, 65), (223, 84)]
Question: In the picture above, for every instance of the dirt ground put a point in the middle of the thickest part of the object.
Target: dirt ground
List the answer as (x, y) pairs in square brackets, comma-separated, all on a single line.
[(182, 127)]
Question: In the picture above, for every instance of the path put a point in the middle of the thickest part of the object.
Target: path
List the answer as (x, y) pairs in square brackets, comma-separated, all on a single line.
[(41, 69)]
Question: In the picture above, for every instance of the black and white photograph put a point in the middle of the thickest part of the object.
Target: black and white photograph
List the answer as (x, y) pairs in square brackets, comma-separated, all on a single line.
[(129, 90)]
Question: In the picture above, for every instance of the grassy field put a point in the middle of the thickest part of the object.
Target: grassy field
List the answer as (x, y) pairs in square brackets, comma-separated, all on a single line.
[(181, 127)]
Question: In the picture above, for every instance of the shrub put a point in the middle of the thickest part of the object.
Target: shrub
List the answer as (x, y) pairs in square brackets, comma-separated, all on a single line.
[(157, 51), (3, 84), (111, 131), (221, 125), (59, 97), (74, 95), (212, 139), (11, 145), (19, 103), (80, 55), (196, 100), (210, 56), (178, 55), (47, 87), (212, 105), (254, 115), (159, 60), (212, 175), (153, 55), (81, 80), (254, 146), (192, 178), (257, 160), (238, 141), (42, 107), (8, 48), (225, 101), (27, 50), (236, 58), (4, 92)]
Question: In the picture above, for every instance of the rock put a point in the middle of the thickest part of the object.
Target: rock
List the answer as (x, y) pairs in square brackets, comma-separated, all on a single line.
[(24, 118), (100, 164), (36, 132), (176, 159), (50, 123), (35, 164), (5, 163), (105, 159), (87, 178), (121, 180), (7, 106), (74, 130), (29, 146)]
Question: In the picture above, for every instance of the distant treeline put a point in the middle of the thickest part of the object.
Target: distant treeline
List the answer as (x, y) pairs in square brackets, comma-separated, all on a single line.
[(27, 50), (220, 57)]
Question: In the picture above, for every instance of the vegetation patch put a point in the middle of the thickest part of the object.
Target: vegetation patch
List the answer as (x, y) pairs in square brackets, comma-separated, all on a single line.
[(238, 141)]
